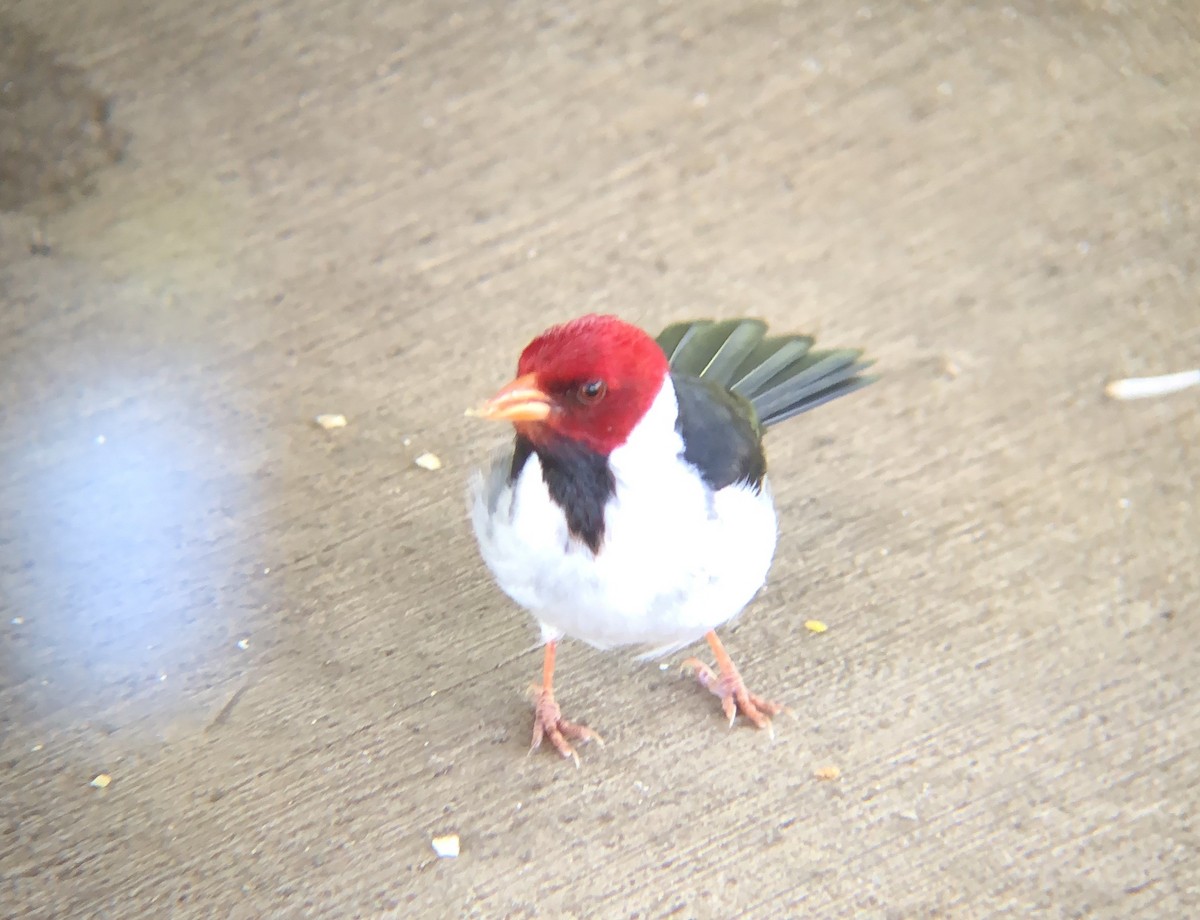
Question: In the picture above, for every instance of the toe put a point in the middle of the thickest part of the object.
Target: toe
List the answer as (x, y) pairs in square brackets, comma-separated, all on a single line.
[(579, 732), (704, 674), (706, 677), (758, 718), (562, 745), (758, 710)]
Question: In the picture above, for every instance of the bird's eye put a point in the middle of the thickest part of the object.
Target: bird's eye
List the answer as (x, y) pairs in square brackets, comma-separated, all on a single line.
[(592, 392)]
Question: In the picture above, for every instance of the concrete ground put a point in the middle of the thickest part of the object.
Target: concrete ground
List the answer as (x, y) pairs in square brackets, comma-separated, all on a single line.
[(278, 641)]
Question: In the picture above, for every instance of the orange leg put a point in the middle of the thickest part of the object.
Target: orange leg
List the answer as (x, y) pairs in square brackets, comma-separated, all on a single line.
[(547, 718), (728, 685)]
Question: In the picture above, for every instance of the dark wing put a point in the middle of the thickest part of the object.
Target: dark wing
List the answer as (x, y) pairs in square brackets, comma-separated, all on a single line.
[(720, 436), (779, 376)]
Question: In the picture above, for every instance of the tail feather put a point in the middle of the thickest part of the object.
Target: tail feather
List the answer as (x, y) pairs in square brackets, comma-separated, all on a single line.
[(780, 376), (711, 350), (766, 361), (819, 399), (673, 339), (819, 377)]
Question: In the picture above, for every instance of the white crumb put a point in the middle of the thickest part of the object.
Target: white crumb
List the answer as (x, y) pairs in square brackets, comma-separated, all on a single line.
[(428, 461)]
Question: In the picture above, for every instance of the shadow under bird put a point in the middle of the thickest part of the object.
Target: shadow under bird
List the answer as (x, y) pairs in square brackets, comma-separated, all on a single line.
[(633, 507)]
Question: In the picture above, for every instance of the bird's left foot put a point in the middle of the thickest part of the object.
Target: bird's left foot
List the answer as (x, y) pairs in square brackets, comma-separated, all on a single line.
[(734, 696)]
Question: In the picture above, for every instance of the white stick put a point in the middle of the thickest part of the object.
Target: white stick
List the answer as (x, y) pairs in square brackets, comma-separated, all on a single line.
[(1141, 387)]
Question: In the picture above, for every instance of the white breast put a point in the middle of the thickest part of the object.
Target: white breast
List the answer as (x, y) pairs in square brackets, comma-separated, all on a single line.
[(677, 560)]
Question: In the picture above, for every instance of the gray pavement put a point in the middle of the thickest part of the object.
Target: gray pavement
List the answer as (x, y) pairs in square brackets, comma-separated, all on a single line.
[(278, 641)]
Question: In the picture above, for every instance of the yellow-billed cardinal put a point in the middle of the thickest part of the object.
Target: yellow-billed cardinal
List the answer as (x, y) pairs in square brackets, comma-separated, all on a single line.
[(633, 507)]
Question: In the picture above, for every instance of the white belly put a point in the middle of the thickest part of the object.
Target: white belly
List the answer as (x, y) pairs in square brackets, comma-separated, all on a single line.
[(677, 559)]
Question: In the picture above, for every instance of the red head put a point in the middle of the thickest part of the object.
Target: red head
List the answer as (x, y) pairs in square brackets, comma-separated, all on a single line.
[(590, 380)]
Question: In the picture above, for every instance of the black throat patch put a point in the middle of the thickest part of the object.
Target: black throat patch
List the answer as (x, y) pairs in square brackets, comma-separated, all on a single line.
[(579, 481)]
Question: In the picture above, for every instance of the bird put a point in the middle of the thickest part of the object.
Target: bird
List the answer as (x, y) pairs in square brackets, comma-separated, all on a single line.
[(632, 506)]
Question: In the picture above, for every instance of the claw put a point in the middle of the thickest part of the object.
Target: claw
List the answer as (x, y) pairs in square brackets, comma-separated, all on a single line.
[(730, 708)]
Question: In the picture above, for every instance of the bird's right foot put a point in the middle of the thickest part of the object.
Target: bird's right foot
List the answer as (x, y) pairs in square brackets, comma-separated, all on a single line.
[(548, 723)]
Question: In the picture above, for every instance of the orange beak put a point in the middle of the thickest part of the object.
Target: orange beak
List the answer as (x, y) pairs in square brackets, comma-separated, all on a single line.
[(521, 401)]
